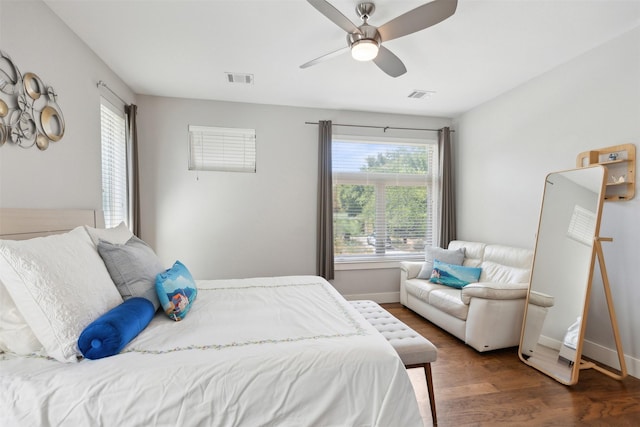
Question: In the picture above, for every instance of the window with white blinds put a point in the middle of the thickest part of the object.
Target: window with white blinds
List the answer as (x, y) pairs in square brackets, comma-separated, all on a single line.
[(114, 165), (222, 149), (382, 198)]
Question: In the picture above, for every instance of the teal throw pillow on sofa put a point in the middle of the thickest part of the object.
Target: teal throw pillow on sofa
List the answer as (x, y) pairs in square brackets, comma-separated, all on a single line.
[(176, 290), (450, 256), (456, 276)]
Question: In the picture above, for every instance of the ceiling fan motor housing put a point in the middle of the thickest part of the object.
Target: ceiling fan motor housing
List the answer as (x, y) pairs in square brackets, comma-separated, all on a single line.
[(367, 32)]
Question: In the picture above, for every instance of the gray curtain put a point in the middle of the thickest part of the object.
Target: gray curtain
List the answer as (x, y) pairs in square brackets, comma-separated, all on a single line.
[(324, 265), (133, 177), (447, 192)]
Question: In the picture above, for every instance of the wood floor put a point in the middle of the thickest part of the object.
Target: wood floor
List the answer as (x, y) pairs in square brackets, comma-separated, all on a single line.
[(497, 389)]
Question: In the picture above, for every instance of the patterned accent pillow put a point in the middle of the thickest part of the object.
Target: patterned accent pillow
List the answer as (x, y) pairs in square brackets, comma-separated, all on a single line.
[(450, 256), (176, 290), (456, 276)]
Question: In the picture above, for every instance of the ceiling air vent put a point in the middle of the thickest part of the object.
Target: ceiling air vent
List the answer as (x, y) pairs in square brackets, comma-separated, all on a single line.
[(240, 78), (418, 94)]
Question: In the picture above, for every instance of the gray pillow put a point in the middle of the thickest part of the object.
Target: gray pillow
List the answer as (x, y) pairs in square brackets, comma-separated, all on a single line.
[(133, 267), (449, 256)]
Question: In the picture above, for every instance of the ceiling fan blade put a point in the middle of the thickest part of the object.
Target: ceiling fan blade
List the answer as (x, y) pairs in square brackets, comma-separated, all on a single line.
[(418, 19), (389, 63), (334, 15), (325, 57)]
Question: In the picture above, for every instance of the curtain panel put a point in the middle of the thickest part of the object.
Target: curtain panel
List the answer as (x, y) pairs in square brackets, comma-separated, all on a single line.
[(133, 172), (325, 264), (447, 231)]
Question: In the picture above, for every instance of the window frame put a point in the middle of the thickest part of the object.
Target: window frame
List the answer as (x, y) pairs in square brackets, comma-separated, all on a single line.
[(380, 181)]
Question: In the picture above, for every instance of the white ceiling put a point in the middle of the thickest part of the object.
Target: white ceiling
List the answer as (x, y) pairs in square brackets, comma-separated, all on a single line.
[(183, 49)]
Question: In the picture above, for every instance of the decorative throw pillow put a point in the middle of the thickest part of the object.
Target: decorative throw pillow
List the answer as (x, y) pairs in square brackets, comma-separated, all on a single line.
[(176, 291), (456, 276), (118, 235), (133, 268), (60, 285), (450, 256), (111, 332)]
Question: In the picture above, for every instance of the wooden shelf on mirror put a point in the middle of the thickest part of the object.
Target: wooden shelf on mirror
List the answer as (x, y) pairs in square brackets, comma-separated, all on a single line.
[(621, 171)]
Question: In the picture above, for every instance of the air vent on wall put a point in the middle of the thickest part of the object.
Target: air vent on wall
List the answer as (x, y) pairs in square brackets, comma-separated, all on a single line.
[(240, 78), (418, 94)]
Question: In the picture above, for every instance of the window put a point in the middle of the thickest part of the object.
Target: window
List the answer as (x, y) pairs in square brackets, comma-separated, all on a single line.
[(383, 194), (222, 149), (114, 165)]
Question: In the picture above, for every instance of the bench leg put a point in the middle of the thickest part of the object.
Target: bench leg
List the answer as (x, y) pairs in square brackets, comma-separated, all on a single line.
[(432, 398)]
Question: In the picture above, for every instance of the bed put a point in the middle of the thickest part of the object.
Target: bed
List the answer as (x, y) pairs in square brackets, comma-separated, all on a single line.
[(277, 351)]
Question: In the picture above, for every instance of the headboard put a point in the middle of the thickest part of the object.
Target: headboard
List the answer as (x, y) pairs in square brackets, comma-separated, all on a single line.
[(20, 224)]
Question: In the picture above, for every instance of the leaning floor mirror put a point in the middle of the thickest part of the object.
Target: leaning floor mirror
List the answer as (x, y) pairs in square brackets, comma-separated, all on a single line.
[(567, 246)]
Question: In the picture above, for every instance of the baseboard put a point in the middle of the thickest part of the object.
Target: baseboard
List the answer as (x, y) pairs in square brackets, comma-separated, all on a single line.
[(380, 298), (599, 353), (610, 357)]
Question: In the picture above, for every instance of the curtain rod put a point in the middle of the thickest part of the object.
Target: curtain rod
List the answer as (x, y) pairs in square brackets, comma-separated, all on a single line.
[(384, 128), (104, 85)]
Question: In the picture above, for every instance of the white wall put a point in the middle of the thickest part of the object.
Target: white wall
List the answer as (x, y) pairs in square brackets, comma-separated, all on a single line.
[(223, 224), (67, 174), (506, 147)]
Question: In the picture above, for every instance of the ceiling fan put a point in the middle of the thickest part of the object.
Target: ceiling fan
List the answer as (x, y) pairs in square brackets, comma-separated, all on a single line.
[(365, 41)]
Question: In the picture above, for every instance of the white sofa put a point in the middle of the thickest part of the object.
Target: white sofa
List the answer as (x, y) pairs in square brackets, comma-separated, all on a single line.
[(486, 315)]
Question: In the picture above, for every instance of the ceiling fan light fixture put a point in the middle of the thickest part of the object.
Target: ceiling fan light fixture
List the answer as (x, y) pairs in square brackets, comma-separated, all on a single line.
[(364, 50)]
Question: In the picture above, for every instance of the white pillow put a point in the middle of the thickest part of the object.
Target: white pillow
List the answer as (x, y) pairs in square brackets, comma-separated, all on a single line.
[(118, 235), (60, 285), (15, 334)]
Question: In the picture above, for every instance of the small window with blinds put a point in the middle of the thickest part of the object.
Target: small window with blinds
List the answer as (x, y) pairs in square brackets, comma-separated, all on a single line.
[(383, 194), (222, 149), (114, 164)]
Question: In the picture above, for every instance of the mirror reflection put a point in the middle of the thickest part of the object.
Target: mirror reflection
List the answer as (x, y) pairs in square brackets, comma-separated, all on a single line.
[(562, 271)]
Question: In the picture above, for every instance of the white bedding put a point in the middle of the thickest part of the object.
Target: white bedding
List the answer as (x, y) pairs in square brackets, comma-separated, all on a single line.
[(286, 351)]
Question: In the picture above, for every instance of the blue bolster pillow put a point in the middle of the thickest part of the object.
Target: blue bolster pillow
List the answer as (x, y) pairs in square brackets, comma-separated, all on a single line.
[(109, 333)]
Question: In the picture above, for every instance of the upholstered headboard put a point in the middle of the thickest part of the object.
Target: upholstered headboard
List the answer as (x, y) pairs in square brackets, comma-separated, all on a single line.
[(20, 224)]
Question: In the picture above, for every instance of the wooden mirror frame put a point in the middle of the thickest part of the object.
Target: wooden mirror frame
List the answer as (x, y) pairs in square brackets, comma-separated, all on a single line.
[(549, 354)]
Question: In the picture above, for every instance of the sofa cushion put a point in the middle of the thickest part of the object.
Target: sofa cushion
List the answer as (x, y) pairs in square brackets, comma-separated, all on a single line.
[(421, 288), (510, 256), (473, 251), (448, 300), (493, 272)]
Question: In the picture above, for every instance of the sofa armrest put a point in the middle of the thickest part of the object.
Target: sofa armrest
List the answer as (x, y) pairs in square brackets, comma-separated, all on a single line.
[(410, 269), (496, 291)]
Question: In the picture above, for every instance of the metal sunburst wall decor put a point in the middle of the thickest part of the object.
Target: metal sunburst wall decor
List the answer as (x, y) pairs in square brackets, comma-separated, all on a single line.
[(29, 112)]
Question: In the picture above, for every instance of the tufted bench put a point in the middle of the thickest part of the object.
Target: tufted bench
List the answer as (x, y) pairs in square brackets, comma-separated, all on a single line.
[(414, 350)]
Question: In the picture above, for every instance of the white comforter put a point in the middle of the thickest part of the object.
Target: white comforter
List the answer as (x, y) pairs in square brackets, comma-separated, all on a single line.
[(285, 351)]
